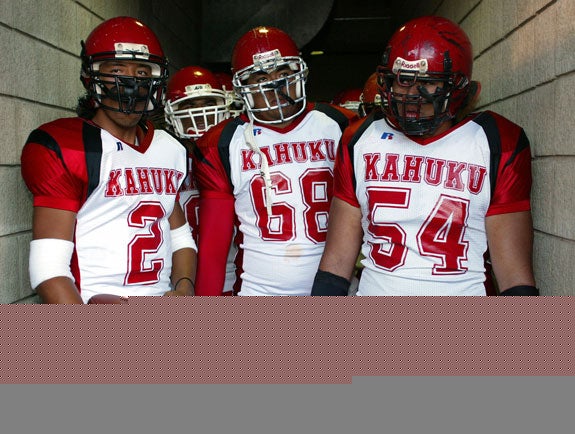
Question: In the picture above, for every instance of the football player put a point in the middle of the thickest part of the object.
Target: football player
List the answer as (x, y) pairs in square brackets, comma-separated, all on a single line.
[(105, 184), (196, 100), (370, 98), (424, 193), (348, 98), (270, 170)]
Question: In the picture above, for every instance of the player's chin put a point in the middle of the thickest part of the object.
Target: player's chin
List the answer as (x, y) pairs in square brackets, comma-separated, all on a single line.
[(287, 110), (127, 120), (107, 299)]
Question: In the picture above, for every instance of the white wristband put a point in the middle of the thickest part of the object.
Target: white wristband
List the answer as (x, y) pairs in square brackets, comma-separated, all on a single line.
[(49, 257), (182, 238)]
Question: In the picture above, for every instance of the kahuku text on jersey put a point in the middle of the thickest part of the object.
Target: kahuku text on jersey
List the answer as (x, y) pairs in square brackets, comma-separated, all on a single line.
[(142, 180), (284, 153), (436, 171)]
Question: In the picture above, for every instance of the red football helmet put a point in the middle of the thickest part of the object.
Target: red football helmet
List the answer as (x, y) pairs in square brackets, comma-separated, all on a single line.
[(124, 39), (426, 50), (195, 102), (370, 97), (348, 98), (236, 108), (264, 49)]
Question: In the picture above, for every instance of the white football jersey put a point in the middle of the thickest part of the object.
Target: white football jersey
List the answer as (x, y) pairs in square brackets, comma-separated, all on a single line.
[(281, 250), (424, 202), (123, 196)]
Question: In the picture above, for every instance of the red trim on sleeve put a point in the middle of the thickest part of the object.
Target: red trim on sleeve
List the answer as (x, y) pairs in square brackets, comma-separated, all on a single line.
[(524, 205), (55, 172), (513, 186), (57, 203), (344, 176), (208, 169)]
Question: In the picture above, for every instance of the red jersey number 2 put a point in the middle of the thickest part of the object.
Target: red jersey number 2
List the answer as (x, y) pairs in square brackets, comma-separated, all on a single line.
[(141, 271)]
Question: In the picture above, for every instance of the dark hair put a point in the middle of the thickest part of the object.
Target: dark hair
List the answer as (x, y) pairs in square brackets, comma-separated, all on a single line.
[(86, 108)]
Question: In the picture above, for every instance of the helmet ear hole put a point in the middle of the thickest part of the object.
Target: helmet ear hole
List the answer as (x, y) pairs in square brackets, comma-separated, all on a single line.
[(460, 81)]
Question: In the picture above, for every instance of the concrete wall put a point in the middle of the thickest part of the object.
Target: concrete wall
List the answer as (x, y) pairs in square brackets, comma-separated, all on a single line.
[(40, 46), (524, 59)]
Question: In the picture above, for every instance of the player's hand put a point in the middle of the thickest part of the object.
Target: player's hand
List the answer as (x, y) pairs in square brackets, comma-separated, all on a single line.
[(108, 299), (178, 293)]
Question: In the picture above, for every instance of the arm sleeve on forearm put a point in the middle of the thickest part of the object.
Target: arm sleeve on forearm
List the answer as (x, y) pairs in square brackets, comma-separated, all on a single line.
[(326, 283)]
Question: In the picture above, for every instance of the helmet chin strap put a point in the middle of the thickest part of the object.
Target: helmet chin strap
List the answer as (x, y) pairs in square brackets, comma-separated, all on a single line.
[(264, 166)]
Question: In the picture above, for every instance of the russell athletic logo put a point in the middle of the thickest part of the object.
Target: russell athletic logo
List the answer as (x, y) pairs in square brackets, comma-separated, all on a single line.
[(387, 136)]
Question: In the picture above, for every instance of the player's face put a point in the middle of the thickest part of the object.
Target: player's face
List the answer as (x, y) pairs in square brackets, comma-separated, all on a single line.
[(118, 123), (126, 69), (412, 105), (415, 108), (200, 120), (284, 93)]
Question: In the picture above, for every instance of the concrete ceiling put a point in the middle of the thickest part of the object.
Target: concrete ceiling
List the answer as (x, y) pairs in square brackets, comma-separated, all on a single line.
[(334, 26), (347, 31), (225, 21), (354, 27)]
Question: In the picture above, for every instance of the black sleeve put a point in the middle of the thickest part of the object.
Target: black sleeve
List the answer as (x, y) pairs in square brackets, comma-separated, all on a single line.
[(326, 283)]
